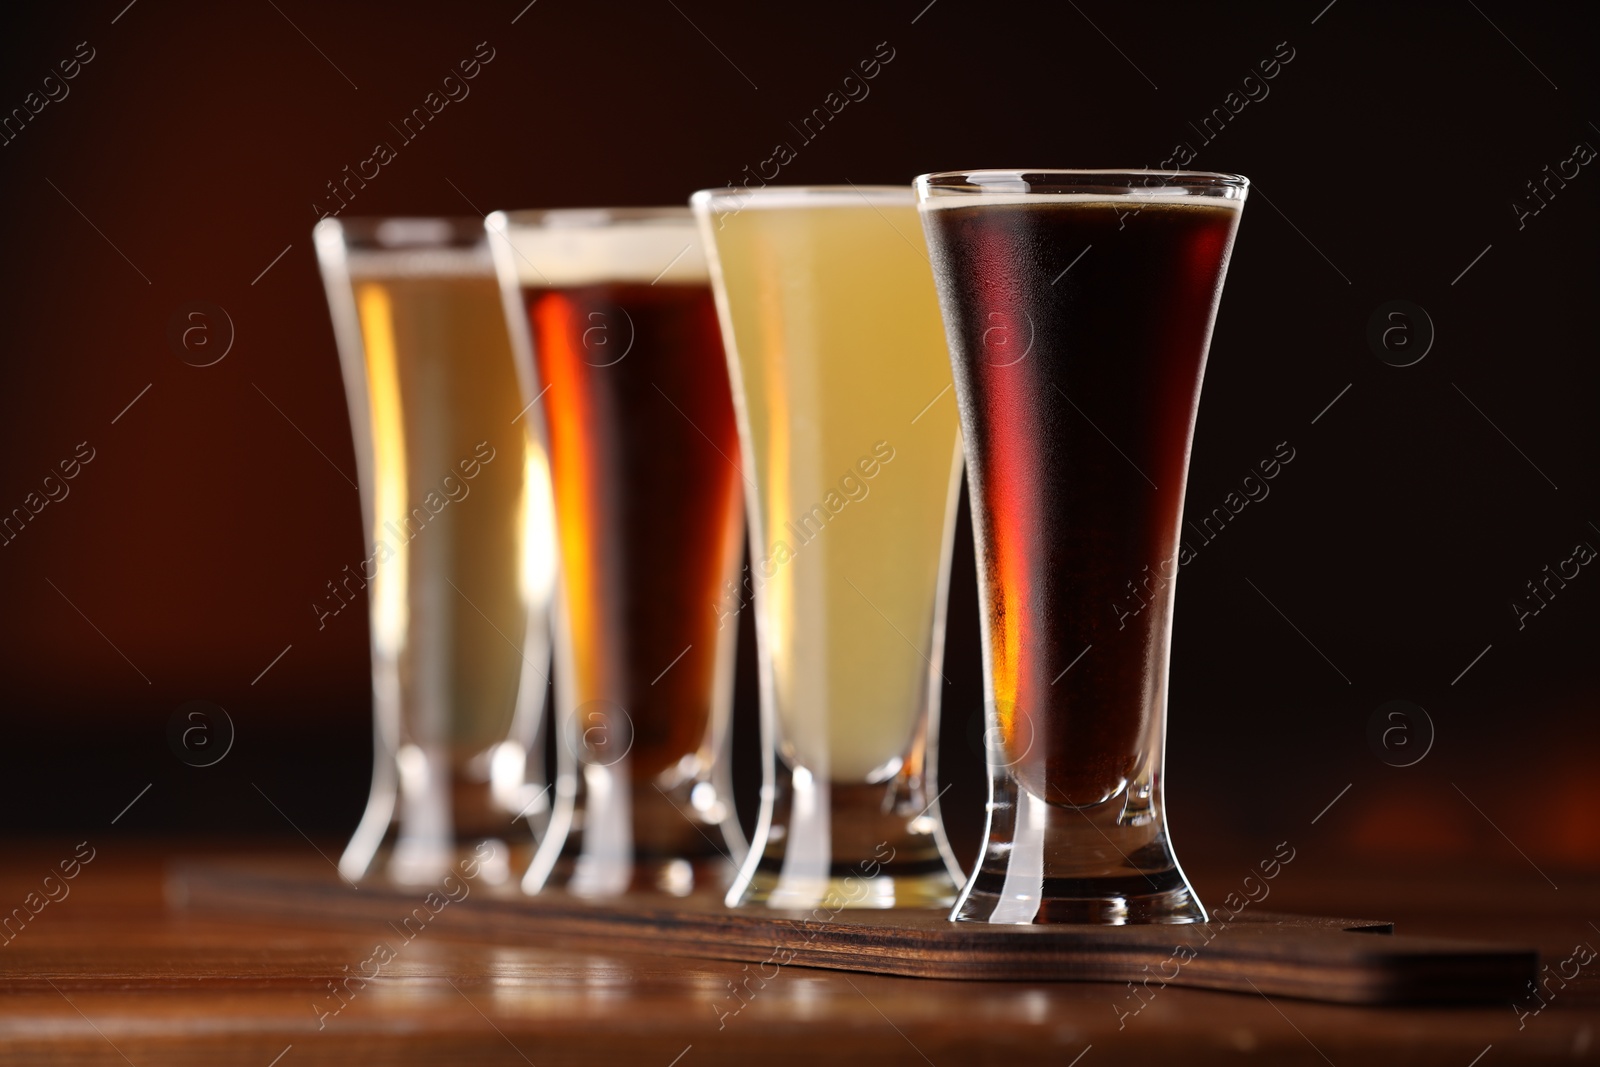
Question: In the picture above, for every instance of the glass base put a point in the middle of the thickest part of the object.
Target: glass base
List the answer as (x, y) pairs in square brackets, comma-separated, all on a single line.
[(1106, 864), (610, 836), (1158, 897), (426, 815), (932, 889), (858, 845), (489, 861), (674, 877)]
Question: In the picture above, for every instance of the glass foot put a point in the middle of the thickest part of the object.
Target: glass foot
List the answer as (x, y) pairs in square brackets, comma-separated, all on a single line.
[(612, 837), (837, 846), (1107, 864), (933, 888), (674, 877), (1158, 897)]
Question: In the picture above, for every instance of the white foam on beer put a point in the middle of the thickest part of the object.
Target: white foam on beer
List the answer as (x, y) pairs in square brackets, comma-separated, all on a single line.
[(1176, 195), (370, 264), (733, 200), (588, 248)]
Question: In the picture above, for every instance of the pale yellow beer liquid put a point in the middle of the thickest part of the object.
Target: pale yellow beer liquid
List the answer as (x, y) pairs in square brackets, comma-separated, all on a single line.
[(453, 579), (842, 357)]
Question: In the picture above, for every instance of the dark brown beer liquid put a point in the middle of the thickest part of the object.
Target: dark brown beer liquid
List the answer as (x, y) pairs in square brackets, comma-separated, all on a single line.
[(1078, 389), (643, 448)]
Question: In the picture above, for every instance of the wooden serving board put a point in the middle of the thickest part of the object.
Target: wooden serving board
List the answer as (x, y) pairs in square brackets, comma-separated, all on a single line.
[(1347, 961)]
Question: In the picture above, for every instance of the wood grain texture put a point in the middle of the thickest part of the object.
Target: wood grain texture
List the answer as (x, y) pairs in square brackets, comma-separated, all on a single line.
[(1344, 961), (114, 975)]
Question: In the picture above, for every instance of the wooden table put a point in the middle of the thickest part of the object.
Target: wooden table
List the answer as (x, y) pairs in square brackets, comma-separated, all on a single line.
[(109, 974)]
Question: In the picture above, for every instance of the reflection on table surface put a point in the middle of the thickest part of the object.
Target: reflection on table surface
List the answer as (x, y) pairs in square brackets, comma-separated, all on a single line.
[(103, 971)]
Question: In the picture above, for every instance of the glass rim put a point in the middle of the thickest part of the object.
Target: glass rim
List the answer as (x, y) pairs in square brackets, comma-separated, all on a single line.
[(1108, 182), (800, 196), (589, 218)]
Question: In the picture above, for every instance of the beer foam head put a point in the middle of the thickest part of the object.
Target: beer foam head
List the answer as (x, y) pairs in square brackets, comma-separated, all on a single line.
[(591, 247), (420, 263), (1142, 198), (404, 247), (734, 200)]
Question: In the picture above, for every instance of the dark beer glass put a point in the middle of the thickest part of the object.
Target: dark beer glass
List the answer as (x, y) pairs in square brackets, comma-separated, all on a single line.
[(624, 369), (1078, 307)]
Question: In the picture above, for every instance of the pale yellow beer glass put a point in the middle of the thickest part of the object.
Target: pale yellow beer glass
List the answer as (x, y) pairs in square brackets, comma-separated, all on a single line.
[(459, 555), (848, 430)]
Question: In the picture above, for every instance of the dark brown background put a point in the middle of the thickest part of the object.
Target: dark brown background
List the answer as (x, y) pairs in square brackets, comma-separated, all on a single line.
[(1396, 141)]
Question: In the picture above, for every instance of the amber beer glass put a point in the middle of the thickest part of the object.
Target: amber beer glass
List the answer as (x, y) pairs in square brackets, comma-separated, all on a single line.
[(850, 435), (624, 368), (459, 563), (1078, 307)]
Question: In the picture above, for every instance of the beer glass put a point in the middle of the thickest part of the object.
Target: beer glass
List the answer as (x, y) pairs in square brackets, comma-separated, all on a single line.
[(1079, 307), (842, 387), (458, 572), (615, 328)]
